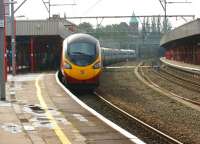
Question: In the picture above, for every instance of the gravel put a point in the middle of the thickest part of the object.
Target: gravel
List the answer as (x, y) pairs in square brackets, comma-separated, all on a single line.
[(193, 95), (122, 87)]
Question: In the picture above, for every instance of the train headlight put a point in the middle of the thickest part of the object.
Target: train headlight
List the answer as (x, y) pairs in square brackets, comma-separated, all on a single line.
[(67, 66), (97, 65)]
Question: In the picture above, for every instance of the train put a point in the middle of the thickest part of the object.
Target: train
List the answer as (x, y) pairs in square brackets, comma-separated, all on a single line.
[(83, 58), (111, 55)]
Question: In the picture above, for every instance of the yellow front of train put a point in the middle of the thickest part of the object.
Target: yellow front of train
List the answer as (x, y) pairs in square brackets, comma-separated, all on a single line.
[(81, 60)]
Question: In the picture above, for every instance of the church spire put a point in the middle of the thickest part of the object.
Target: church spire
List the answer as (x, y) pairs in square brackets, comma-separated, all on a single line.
[(133, 20)]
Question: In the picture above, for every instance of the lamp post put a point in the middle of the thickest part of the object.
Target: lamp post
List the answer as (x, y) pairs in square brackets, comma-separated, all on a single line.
[(12, 29)]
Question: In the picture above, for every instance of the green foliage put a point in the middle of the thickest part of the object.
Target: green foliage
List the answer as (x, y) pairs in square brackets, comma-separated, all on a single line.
[(114, 31), (166, 27), (85, 27)]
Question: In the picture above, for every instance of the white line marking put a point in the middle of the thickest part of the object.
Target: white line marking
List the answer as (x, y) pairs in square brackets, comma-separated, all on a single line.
[(132, 138)]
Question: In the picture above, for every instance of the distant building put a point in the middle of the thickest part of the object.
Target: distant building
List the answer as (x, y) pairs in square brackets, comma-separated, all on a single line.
[(69, 25), (38, 42), (133, 24), (182, 44)]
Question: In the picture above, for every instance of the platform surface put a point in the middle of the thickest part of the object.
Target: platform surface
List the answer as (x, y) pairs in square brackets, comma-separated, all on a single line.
[(38, 111), (181, 65)]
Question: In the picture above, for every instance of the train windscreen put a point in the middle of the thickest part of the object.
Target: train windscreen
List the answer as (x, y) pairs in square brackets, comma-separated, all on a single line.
[(82, 53)]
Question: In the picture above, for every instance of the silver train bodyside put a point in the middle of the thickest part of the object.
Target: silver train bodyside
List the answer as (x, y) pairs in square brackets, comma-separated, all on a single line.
[(111, 55)]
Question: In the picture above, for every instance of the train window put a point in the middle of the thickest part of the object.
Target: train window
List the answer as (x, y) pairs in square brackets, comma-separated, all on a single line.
[(82, 48), (82, 53)]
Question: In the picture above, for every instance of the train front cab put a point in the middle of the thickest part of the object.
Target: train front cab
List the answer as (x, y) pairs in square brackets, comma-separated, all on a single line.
[(78, 74)]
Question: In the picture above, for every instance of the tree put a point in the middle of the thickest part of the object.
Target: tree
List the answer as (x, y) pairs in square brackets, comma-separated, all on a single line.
[(158, 24), (123, 27), (85, 26), (153, 25), (147, 25), (168, 26)]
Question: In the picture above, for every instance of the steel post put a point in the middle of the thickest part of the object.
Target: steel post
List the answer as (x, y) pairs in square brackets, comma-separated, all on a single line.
[(2, 37), (32, 54), (12, 27), (165, 20)]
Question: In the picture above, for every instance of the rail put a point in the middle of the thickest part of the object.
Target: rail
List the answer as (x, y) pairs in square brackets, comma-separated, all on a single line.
[(154, 130)]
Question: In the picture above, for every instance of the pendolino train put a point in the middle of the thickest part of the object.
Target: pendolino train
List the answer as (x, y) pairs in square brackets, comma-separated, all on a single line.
[(83, 58)]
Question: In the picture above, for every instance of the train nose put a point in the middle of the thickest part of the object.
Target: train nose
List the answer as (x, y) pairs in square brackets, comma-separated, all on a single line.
[(82, 72)]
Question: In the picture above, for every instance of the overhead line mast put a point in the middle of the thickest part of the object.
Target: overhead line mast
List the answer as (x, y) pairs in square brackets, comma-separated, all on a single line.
[(48, 6), (164, 6), (12, 28)]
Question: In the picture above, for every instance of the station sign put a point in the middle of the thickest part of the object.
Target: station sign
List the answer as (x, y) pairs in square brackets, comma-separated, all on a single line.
[(1, 23)]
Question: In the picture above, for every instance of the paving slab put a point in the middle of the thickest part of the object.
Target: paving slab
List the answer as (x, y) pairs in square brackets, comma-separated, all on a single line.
[(39, 111)]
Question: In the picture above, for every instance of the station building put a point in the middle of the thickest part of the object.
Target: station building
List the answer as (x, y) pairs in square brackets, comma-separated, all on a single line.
[(38, 43), (183, 43)]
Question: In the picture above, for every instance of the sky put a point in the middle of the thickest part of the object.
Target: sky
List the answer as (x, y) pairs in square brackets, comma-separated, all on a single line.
[(34, 9)]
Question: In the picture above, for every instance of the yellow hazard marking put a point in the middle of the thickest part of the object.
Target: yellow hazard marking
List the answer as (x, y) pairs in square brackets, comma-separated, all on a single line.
[(62, 137)]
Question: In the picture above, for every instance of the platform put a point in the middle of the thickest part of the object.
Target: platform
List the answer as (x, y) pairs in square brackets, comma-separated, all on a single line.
[(38, 111), (183, 66)]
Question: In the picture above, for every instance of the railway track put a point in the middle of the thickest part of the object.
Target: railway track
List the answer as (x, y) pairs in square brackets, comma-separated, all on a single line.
[(161, 90), (188, 76), (186, 83), (160, 136), (125, 120)]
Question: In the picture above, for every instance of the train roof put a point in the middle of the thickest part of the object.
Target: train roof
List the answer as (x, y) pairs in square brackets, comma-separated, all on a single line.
[(81, 37)]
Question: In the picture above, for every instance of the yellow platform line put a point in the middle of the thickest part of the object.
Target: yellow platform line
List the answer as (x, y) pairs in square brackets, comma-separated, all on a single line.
[(62, 137)]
